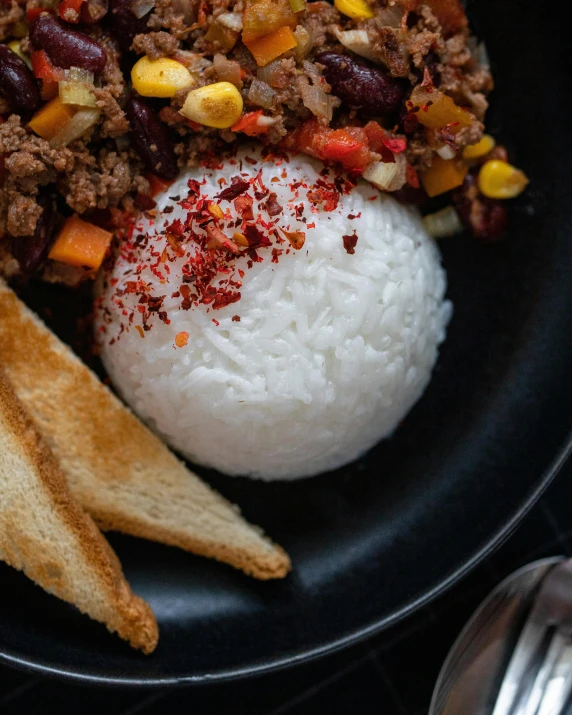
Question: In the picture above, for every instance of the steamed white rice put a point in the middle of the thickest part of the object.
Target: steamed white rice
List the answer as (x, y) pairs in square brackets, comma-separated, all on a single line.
[(331, 351)]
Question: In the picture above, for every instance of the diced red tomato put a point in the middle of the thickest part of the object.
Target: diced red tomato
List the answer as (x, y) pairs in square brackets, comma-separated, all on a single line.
[(74, 6), (248, 124), (43, 68), (33, 13)]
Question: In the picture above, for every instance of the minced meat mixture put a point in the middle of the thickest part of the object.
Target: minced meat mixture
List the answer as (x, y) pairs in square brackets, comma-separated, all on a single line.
[(391, 89)]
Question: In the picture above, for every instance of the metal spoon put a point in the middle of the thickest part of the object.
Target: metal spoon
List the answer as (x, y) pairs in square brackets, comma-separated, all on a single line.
[(473, 671)]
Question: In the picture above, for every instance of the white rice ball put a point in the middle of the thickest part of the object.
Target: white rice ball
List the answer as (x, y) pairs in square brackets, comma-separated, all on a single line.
[(332, 348)]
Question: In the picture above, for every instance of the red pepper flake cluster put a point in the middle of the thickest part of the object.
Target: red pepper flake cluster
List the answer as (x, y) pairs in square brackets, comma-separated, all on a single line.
[(350, 243), (245, 219)]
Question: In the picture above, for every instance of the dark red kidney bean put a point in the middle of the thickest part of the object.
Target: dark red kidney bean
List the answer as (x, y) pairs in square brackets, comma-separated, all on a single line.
[(151, 138), (485, 218), (66, 47), (30, 251), (410, 195), (360, 86), (93, 11), (17, 82), (124, 24)]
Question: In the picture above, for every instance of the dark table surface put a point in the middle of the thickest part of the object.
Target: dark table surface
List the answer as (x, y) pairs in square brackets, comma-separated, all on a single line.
[(392, 674)]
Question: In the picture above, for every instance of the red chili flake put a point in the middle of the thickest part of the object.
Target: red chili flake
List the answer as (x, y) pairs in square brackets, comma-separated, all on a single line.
[(237, 188), (218, 240), (350, 243), (224, 298), (395, 145), (139, 329), (256, 239), (411, 176), (216, 322), (276, 253), (181, 339), (296, 238), (186, 293), (236, 318), (194, 188), (243, 206), (311, 225), (250, 161), (271, 205), (241, 273)]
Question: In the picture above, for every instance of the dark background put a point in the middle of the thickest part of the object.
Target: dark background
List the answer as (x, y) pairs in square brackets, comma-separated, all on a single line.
[(391, 674)]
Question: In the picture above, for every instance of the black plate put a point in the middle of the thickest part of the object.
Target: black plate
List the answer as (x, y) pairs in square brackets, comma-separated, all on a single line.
[(372, 542)]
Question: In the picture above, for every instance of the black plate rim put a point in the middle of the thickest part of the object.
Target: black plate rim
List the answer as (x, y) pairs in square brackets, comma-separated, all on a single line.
[(337, 644)]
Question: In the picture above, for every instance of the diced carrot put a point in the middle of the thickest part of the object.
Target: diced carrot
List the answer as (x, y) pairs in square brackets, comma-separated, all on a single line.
[(44, 69), (69, 10), (271, 46), (438, 110), (157, 184), (51, 118), (263, 17), (81, 244), (248, 124), (443, 175)]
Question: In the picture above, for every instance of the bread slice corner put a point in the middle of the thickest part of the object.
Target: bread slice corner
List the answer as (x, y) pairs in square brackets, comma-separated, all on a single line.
[(47, 535), (118, 470)]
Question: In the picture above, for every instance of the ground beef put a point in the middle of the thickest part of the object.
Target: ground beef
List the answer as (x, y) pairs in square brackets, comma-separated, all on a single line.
[(23, 214), (10, 14), (103, 172), (318, 17), (114, 123), (155, 45)]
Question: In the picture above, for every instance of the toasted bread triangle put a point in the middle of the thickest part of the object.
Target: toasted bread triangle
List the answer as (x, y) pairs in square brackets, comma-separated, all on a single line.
[(120, 472), (46, 534)]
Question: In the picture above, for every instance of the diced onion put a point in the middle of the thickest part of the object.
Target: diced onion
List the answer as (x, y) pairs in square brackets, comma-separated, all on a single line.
[(227, 70), (357, 41), (264, 121), (140, 8), (390, 16), (446, 152), (76, 93), (445, 222), (78, 74), (387, 176), (316, 100), (232, 20), (270, 73), (78, 125), (261, 94), (305, 43), (194, 62), (77, 88)]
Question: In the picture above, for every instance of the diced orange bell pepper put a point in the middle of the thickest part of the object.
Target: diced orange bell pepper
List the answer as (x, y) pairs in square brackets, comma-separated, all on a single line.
[(224, 36), (248, 124), (81, 244), (51, 118), (69, 10), (443, 175), (271, 46), (438, 110), (262, 17)]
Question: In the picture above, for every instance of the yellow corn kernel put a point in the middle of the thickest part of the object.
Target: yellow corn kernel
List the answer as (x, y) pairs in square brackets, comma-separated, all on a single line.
[(17, 50), (481, 148), (356, 9), (217, 105), (160, 78), (499, 180)]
